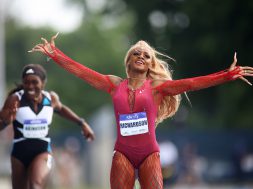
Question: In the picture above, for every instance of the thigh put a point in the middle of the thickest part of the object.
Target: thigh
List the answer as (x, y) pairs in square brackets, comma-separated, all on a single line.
[(150, 174), (39, 170), (18, 174), (122, 172)]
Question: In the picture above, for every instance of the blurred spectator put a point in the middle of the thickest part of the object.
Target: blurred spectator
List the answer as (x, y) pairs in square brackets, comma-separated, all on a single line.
[(239, 152), (169, 160), (68, 168), (192, 166), (247, 166)]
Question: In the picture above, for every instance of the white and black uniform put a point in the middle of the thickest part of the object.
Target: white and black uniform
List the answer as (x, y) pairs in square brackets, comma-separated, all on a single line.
[(31, 129)]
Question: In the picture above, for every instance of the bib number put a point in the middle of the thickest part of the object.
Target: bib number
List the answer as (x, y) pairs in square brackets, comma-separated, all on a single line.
[(35, 128), (133, 124)]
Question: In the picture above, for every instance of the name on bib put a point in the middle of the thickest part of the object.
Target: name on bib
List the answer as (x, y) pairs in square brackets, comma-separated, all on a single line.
[(35, 128), (133, 124)]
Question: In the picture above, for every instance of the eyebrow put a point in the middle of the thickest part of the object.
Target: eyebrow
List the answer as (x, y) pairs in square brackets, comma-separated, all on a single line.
[(139, 50)]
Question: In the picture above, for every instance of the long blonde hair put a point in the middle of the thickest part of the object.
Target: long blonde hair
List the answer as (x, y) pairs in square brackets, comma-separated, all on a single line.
[(159, 70)]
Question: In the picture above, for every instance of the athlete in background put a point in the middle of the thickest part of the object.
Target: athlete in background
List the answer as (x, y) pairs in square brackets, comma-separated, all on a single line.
[(29, 108)]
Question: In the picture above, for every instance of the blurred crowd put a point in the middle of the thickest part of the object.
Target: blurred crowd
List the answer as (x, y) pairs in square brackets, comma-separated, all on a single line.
[(180, 166), (187, 166)]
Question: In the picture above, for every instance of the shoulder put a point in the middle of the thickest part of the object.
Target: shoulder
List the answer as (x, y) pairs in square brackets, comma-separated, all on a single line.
[(115, 79), (54, 95), (157, 82), (55, 99)]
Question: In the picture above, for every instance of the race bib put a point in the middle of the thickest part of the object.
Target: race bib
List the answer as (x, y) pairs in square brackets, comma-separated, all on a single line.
[(133, 124), (37, 128)]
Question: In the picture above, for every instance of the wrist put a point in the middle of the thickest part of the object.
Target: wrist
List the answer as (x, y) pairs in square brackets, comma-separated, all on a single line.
[(81, 121), (3, 123), (234, 73)]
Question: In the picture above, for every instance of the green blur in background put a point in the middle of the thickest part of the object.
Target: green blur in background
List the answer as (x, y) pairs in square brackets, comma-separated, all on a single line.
[(201, 35)]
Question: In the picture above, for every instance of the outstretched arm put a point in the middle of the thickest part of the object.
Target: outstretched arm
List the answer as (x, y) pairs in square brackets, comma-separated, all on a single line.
[(67, 113), (174, 87), (95, 79)]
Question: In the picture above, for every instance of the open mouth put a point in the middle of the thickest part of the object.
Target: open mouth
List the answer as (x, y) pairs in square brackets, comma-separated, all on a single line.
[(139, 62), (31, 92)]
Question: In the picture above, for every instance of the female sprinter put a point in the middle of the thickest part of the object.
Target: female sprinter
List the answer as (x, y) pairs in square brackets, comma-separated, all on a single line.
[(30, 109), (146, 97)]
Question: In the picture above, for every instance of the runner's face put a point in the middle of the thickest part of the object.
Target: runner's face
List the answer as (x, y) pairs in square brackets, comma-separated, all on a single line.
[(139, 59), (32, 86)]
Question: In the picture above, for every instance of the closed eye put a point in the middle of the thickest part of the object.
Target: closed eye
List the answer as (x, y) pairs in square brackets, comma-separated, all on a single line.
[(147, 56), (136, 53)]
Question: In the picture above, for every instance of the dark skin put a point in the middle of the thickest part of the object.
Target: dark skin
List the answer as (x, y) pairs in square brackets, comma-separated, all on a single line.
[(36, 176)]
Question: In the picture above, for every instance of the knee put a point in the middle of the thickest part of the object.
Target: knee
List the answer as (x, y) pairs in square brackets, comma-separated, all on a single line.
[(35, 184)]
